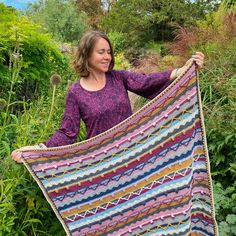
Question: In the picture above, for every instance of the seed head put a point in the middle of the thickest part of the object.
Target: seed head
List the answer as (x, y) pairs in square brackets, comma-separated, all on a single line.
[(55, 79), (3, 103)]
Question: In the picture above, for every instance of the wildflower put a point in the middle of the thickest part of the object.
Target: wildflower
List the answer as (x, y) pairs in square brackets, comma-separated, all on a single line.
[(3, 103), (16, 55), (55, 79)]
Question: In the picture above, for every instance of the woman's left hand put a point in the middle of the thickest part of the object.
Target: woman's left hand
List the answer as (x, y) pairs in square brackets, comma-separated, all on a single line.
[(198, 57)]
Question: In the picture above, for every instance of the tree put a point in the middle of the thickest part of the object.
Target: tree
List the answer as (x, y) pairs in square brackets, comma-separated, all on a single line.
[(93, 9), (150, 19), (128, 17), (60, 18), (153, 19)]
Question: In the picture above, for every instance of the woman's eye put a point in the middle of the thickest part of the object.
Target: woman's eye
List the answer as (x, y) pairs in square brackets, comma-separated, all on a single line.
[(102, 52)]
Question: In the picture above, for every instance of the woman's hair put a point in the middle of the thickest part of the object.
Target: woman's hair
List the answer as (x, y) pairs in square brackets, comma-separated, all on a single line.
[(85, 49)]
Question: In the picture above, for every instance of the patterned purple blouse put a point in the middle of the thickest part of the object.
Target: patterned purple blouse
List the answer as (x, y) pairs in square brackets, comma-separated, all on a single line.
[(100, 110)]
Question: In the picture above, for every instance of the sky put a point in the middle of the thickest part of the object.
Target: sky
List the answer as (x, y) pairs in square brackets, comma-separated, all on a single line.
[(18, 4)]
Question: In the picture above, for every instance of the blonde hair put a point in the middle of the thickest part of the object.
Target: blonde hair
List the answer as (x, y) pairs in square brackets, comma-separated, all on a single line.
[(85, 49)]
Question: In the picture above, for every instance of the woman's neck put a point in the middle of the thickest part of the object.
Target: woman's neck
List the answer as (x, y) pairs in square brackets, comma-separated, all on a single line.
[(94, 82), (96, 77)]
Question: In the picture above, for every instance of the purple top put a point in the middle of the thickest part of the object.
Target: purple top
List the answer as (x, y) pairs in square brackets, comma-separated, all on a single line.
[(101, 110)]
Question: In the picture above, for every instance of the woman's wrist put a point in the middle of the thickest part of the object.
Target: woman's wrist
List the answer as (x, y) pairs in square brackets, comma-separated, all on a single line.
[(175, 73), (42, 145)]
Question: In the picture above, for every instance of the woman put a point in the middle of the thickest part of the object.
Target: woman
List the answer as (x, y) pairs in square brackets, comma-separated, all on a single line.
[(100, 97)]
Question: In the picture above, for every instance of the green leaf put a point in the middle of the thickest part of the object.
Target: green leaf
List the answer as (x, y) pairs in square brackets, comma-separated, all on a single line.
[(231, 219), (7, 148), (14, 118), (224, 228), (234, 197), (30, 202)]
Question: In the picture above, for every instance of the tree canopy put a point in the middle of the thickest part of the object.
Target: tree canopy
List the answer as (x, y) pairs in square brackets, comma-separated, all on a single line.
[(154, 19), (60, 18)]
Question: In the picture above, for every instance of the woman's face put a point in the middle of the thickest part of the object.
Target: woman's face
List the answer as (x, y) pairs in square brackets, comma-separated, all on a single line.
[(100, 57)]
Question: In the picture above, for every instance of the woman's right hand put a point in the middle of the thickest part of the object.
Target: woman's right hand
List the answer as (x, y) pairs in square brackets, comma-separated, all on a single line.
[(16, 155)]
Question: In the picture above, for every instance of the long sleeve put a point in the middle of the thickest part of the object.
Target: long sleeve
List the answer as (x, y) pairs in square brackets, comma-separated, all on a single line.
[(148, 86), (70, 125)]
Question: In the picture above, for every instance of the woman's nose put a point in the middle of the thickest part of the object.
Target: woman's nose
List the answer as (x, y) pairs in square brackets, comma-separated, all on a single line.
[(107, 55)]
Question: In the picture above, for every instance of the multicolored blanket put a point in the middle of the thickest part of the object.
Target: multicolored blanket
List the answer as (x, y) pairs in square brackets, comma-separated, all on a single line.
[(149, 175)]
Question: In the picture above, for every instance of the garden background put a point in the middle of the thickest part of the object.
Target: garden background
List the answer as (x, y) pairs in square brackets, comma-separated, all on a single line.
[(36, 51)]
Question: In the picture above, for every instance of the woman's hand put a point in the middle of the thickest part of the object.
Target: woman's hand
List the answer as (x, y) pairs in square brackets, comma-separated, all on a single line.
[(198, 57), (16, 155)]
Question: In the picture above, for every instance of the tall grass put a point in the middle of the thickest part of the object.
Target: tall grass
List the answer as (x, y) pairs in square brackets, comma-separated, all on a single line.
[(24, 211)]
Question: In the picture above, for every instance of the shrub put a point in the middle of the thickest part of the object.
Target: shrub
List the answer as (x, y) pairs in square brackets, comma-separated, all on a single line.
[(117, 40), (40, 56)]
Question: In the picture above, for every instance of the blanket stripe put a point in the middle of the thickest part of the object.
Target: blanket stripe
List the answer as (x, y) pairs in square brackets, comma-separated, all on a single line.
[(149, 175)]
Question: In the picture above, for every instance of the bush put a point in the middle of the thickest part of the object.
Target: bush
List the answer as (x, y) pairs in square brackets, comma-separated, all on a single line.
[(24, 209), (22, 40), (118, 41)]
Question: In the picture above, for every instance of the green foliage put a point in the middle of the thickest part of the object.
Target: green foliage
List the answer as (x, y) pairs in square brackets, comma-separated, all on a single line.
[(94, 10), (142, 21), (218, 86), (225, 208), (27, 59), (60, 18), (230, 5), (24, 209), (129, 18), (118, 41), (157, 47), (6, 205), (121, 62), (39, 54), (7, 15)]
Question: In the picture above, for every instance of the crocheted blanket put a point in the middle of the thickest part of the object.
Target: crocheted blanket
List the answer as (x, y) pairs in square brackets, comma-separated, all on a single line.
[(149, 175)]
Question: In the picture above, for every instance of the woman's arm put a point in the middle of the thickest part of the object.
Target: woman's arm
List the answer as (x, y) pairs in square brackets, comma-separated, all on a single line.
[(70, 125), (67, 133)]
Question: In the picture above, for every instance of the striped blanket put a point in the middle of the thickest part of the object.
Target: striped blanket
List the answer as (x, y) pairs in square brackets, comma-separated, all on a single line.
[(149, 175)]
